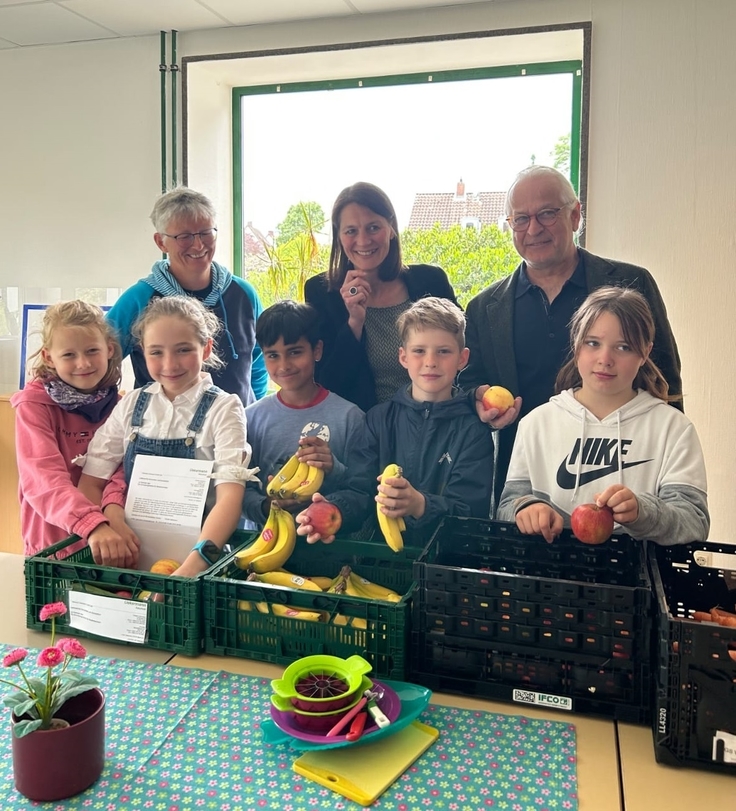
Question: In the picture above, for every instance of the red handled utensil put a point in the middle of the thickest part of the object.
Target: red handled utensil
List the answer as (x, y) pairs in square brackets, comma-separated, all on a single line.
[(347, 718), (356, 728)]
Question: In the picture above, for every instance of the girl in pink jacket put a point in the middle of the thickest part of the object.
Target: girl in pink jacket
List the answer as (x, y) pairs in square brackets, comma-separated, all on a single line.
[(73, 390)]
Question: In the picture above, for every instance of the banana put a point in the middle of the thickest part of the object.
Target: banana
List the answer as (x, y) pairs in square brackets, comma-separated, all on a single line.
[(293, 581), (286, 472), (265, 541), (390, 527), (372, 591), (280, 610), (323, 582), (280, 551), (356, 622), (311, 484), (300, 474)]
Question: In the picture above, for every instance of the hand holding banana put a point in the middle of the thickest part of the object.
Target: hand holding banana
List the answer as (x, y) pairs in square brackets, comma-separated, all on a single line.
[(296, 480), (395, 499)]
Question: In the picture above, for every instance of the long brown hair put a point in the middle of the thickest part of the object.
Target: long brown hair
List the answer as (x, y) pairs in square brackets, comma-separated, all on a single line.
[(77, 313), (637, 326), (373, 198)]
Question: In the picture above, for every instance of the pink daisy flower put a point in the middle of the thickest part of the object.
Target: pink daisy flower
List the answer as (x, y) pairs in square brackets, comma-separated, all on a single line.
[(50, 657), (72, 647), (52, 610), (14, 657)]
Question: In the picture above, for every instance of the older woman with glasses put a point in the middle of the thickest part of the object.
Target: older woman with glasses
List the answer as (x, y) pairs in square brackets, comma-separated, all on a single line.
[(186, 231)]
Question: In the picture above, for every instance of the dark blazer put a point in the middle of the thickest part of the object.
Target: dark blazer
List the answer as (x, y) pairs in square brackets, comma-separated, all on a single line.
[(490, 336), (344, 367)]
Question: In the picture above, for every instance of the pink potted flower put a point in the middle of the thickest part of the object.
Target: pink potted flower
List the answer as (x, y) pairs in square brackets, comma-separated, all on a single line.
[(58, 719)]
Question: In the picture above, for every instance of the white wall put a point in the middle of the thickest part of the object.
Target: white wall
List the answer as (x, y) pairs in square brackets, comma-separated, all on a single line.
[(79, 167)]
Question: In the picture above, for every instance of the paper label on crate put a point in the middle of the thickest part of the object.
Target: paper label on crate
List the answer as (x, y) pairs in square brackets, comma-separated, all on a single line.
[(724, 747), (542, 699), (112, 617)]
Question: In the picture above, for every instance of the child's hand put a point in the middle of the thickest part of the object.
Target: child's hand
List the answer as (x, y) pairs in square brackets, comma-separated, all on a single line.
[(540, 519), (621, 501), (397, 498), (306, 529), (490, 415), (315, 452), (110, 548)]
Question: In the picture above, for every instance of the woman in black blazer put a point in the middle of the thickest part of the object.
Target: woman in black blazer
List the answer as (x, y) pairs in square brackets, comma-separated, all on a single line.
[(362, 294)]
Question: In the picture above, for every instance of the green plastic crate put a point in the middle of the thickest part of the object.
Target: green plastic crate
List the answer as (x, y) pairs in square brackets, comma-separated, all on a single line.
[(173, 625), (231, 631)]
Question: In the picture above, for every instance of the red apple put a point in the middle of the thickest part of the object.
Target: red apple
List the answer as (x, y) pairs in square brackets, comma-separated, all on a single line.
[(498, 397), (324, 518), (592, 524)]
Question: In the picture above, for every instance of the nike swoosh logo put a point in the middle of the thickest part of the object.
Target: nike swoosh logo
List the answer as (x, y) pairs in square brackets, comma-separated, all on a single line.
[(567, 480)]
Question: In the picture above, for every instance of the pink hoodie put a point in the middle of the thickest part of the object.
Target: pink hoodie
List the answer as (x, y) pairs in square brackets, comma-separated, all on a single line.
[(47, 438)]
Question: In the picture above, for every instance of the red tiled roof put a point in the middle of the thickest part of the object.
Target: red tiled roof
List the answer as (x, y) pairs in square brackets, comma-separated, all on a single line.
[(448, 209)]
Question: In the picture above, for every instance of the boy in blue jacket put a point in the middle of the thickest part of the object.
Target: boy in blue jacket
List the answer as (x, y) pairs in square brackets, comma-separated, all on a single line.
[(430, 428)]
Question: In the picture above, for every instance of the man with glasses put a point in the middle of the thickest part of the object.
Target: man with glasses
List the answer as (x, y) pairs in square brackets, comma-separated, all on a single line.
[(517, 328), (186, 231)]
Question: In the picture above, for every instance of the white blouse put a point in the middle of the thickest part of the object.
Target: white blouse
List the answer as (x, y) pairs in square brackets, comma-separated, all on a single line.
[(222, 437)]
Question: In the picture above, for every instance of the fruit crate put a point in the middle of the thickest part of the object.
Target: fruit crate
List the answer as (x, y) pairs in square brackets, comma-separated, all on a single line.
[(269, 637), (694, 722), (508, 616), (173, 625)]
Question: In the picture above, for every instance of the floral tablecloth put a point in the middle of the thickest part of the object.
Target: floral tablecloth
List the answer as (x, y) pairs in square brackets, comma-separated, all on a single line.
[(181, 739)]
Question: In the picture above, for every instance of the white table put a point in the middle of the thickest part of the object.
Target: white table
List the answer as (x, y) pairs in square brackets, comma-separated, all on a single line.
[(651, 786)]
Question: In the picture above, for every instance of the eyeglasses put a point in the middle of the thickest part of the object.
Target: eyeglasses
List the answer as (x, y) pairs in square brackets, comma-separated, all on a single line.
[(545, 217), (185, 240)]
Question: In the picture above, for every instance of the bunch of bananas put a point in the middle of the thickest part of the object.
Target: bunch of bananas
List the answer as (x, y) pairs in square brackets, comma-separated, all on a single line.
[(347, 582), (273, 547), (391, 527), (296, 480)]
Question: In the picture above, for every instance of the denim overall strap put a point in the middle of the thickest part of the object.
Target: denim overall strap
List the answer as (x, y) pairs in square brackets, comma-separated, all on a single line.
[(181, 448)]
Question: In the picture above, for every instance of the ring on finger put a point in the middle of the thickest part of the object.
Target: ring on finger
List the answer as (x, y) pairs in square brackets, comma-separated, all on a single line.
[(352, 290)]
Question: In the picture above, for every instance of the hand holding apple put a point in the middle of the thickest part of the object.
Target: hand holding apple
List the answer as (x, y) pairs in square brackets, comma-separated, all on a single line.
[(592, 524), (496, 406), (320, 521), (622, 501)]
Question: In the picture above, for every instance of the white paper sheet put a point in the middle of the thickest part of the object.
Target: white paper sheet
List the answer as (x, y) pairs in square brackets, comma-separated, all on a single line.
[(165, 505), (112, 617)]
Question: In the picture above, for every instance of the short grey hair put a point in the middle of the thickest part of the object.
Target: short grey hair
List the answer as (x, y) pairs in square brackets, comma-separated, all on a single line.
[(567, 192), (181, 203)]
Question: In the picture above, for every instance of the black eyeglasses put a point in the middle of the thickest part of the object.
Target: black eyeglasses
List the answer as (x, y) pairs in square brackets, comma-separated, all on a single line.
[(545, 217), (185, 240)]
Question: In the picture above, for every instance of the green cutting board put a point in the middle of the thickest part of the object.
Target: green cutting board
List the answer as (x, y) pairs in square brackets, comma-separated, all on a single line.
[(364, 771)]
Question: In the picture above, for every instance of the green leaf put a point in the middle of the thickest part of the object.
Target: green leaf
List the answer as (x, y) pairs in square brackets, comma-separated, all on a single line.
[(25, 727), (14, 700), (27, 706)]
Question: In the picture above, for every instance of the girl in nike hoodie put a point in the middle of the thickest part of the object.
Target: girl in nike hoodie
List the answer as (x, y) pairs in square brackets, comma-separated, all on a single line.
[(609, 436)]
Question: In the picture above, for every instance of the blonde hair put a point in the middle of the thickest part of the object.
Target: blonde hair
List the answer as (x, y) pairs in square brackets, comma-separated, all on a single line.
[(204, 322), (432, 312), (86, 316), (637, 327)]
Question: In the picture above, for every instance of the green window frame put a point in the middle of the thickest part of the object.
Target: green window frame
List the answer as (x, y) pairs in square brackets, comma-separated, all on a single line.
[(572, 67)]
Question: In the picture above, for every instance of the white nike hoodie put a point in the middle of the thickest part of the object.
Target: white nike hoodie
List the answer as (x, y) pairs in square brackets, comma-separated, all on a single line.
[(564, 456)]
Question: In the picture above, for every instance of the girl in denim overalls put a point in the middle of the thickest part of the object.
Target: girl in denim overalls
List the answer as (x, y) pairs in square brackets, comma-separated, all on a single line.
[(181, 414)]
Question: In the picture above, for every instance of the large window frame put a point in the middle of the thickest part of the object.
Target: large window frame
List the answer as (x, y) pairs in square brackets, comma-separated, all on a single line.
[(572, 67)]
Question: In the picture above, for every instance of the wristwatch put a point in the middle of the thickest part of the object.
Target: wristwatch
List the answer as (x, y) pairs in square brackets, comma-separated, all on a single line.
[(208, 551)]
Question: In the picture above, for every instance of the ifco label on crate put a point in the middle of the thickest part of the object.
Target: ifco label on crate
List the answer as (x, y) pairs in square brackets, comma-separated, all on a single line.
[(114, 618), (542, 699)]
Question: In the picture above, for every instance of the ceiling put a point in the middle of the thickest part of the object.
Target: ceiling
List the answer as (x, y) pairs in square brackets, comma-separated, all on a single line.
[(25, 23)]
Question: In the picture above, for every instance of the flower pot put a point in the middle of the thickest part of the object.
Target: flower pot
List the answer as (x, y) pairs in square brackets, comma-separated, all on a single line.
[(51, 764)]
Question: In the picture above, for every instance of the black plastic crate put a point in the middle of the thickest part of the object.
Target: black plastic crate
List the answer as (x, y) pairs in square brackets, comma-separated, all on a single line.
[(610, 688), (695, 713), (381, 630), (485, 579), (175, 624)]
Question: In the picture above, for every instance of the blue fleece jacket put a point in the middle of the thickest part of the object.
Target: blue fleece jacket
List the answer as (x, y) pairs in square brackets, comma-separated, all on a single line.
[(237, 307)]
